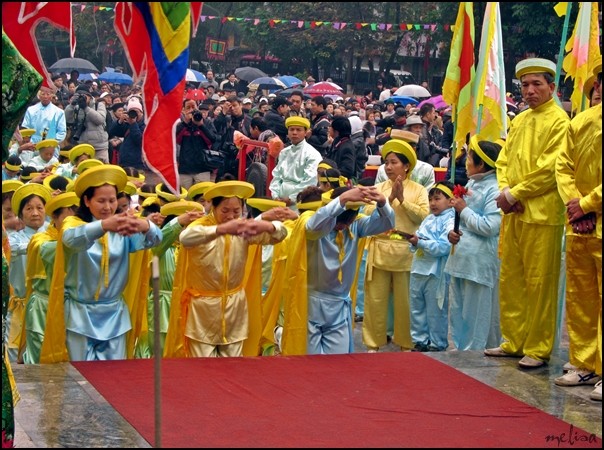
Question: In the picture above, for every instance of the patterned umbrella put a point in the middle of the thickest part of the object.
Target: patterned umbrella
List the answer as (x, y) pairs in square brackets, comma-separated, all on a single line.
[(195, 76), (323, 88), (269, 83)]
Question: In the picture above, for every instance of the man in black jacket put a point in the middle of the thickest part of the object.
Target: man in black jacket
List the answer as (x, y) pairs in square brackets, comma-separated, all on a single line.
[(319, 123), (195, 136), (275, 117)]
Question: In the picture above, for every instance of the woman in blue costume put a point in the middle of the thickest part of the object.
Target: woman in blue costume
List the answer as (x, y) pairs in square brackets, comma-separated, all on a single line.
[(474, 265), (96, 245), (28, 203), (41, 255)]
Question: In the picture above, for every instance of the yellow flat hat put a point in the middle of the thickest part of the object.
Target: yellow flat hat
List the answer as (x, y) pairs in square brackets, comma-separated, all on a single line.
[(231, 188), (309, 206), (11, 185), (326, 197), (130, 189), (29, 189), (142, 194), (47, 180), (47, 143), (64, 153), (199, 189), (404, 135), (180, 207), (598, 67), (264, 204), (87, 164), (150, 200), (99, 176), (30, 176), (535, 65), (13, 168), (168, 196), (403, 148), (27, 132), (80, 150), (64, 200), (589, 84), (140, 178), (297, 121)]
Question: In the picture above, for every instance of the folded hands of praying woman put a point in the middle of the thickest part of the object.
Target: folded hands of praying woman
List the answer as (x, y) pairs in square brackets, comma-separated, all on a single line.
[(125, 224)]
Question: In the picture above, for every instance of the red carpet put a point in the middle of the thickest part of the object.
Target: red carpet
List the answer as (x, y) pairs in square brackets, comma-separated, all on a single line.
[(357, 400)]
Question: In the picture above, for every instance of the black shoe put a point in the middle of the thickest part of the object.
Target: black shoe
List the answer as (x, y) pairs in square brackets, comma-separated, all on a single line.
[(388, 339), (420, 348), (358, 318)]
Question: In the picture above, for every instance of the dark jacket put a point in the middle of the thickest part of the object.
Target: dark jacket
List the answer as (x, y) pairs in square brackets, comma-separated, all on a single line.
[(361, 156), (276, 123), (193, 141), (319, 126), (343, 153), (131, 150), (461, 177)]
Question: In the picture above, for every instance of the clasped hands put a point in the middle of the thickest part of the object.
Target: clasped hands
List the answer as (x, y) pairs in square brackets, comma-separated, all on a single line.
[(125, 224), (366, 194), (245, 227), (581, 223)]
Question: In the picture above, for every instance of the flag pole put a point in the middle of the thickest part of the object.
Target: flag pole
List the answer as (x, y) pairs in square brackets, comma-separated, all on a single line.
[(157, 350), (569, 6)]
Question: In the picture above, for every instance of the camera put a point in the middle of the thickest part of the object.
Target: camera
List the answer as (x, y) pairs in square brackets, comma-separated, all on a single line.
[(133, 114), (197, 117), (79, 101)]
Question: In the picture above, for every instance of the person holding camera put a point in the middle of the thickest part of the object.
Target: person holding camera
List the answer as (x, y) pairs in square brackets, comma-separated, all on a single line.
[(85, 119), (130, 125), (195, 135)]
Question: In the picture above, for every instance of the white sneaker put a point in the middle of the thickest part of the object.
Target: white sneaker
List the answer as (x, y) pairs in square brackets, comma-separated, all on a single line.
[(568, 367), (372, 350), (577, 378), (278, 333), (596, 394)]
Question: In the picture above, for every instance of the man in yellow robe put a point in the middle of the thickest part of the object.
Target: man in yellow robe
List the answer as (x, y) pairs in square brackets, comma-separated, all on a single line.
[(579, 176), (530, 242)]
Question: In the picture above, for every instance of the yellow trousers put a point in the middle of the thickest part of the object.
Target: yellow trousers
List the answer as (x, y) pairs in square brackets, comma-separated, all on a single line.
[(377, 293), (528, 288), (584, 301)]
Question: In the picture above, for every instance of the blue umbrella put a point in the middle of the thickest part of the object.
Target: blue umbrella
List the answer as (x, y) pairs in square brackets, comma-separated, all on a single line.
[(115, 77), (87, 76), (269, 83), (290, 81), (195, 76), (403, 100)]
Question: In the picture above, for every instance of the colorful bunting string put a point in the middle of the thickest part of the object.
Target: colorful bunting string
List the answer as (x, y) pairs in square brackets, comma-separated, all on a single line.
[(308, 24)]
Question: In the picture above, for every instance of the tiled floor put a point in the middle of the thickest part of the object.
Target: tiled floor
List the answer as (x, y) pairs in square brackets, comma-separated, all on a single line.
[(60, 409)]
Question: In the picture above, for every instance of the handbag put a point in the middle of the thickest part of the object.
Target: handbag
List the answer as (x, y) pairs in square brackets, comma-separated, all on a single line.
[(214, 159)]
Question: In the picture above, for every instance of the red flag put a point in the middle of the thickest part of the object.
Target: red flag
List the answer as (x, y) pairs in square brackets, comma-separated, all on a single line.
[(19, 21), (155, 37)]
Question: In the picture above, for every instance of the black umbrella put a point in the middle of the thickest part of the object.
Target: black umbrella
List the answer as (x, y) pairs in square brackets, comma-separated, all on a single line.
[(249, 73), (69, 64), (289, 91)]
